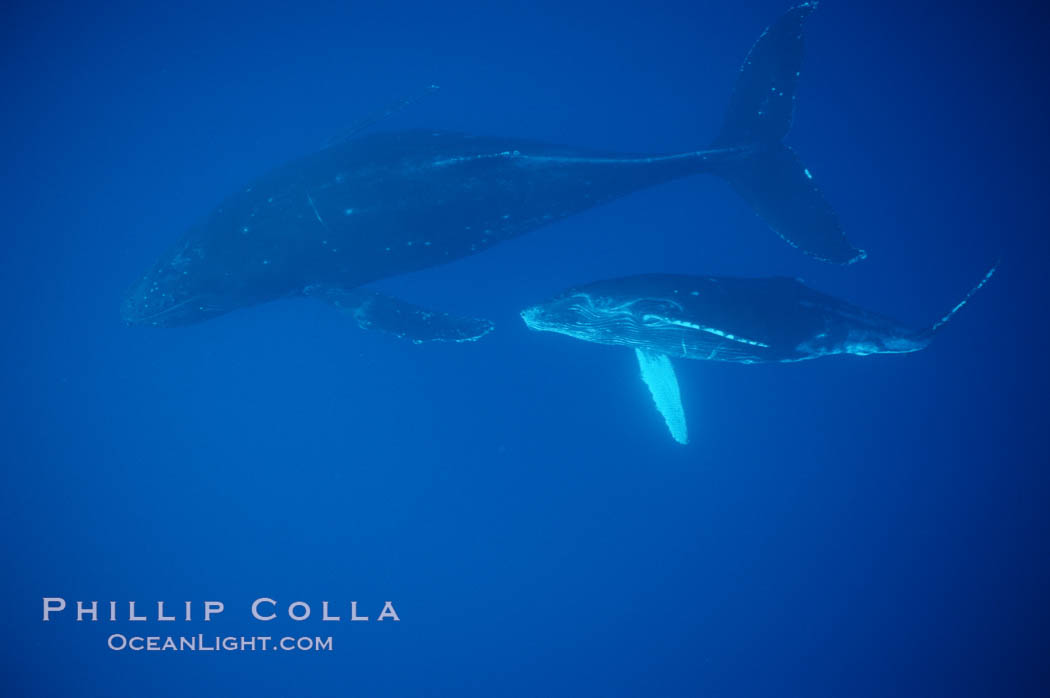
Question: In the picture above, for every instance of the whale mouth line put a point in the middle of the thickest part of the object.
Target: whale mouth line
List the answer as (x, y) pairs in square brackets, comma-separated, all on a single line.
[(139, 319), (582, 309)]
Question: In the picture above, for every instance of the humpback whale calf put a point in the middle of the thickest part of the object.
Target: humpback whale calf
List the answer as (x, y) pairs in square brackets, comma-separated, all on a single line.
[(746, 320), (368, 208)]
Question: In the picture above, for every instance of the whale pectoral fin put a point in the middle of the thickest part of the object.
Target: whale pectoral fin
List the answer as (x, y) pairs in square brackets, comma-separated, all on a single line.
[(375, 311), (658, 374)]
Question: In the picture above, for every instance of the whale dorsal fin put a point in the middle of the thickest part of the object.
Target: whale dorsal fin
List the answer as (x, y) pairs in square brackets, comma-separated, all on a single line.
[(375, 117), (376, 311), (658, 374)]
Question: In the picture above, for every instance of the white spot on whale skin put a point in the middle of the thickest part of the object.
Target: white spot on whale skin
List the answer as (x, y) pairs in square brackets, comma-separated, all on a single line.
[(348, 212), (808, 175), (712, 330)]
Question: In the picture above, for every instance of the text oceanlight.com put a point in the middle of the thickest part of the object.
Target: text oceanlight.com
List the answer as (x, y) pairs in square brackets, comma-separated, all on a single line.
[(200, 643)]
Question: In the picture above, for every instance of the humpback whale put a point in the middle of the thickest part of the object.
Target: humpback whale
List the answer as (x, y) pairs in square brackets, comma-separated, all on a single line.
[(367, 208), (710, 318)]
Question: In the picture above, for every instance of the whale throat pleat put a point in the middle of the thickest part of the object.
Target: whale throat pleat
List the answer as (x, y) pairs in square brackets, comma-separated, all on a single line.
[(658, 374)]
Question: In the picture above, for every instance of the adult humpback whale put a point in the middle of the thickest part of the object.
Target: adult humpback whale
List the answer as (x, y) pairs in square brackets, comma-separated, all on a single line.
[(370, 208), (721, 319)]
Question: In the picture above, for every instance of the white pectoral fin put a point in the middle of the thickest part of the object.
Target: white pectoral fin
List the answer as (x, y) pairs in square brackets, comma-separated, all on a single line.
[(658, 374)]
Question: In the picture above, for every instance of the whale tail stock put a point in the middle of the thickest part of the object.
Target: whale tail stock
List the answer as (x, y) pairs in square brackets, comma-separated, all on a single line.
[(770, 177)]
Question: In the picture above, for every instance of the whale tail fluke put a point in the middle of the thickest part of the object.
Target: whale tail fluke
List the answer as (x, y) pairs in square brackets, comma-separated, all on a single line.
[(770, 177), (763, 101)]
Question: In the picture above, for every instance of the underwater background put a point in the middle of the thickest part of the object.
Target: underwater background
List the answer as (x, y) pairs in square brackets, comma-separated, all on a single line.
[(845, 527)]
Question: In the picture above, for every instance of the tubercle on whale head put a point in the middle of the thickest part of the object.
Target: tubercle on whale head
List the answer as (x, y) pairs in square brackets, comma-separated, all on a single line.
[(175, 291), (187, 312), (560, 315), (531, 317), (600, 315), (150, 304), (563, 313)]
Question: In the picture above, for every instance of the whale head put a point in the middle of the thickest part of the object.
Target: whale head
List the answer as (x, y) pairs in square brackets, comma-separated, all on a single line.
[(179, 289), (220, 264), (607, 316), (674, 315)]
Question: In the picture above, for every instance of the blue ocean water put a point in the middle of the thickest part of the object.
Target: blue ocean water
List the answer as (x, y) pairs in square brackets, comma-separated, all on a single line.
[(851, 526)]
